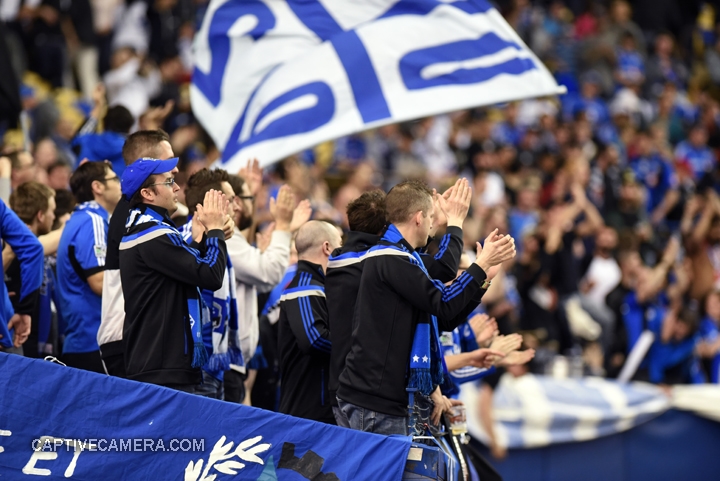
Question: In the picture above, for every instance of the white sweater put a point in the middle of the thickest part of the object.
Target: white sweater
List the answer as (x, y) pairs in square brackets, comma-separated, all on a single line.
[(255, 272)]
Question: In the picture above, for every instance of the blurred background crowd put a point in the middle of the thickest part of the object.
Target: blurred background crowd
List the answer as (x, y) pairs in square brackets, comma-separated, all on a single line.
[(611, 191)]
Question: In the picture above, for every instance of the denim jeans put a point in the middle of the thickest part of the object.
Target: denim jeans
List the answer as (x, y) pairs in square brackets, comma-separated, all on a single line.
[(340, 418), (363, 419)]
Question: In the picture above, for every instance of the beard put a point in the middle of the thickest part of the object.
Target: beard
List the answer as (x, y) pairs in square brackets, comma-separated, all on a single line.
[(244, 222)]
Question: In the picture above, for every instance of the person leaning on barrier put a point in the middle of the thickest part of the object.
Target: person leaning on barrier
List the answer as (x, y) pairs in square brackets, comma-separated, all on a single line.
[(367, 220), (393, 312), (15, 326), (304, 339), (143, 143), (162, 276), (34, 203)]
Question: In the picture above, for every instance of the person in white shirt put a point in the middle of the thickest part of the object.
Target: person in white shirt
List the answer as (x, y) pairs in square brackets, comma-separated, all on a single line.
[(602, 276), (258, 271), (132, 82)]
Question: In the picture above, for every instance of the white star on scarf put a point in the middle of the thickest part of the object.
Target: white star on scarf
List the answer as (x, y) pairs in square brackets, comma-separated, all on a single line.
[(425, 359), (416, 358)]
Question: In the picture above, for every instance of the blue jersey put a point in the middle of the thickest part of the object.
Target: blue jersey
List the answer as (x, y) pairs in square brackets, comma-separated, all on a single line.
[(82, 250), (656, 175), (709, 332), (595, 109), (29, 252), (505, 133), (700, 160), (630, 64), (462, 339)]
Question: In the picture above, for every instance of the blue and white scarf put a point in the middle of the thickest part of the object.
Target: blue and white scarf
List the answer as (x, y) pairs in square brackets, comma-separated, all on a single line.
[(221, 334), (196, 312), (426, 364)]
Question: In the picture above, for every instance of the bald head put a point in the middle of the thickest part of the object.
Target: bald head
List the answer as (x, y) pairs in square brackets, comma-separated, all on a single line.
[(313, 235)]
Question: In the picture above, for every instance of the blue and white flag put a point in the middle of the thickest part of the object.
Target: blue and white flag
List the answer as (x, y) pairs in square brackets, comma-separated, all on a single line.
[(274, 77), (59, 423), (532, 411)]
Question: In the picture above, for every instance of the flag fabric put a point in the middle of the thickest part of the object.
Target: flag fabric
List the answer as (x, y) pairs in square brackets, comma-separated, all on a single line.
[(58, 422), (274, 77), (533, 411)]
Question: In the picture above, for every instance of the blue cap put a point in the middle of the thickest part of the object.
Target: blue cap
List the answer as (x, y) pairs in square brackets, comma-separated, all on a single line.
[(138, 172)]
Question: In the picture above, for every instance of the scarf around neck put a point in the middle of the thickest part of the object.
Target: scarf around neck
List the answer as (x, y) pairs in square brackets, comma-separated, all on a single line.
[(426, 364)]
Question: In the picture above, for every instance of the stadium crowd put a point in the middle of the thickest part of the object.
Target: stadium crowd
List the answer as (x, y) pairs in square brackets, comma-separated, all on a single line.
[(610, 192)]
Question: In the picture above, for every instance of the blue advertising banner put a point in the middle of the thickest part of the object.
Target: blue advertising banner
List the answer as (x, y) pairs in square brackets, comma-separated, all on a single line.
[(58, 422)]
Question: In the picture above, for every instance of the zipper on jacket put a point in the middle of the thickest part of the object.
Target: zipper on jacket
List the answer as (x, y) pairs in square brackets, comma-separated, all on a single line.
[(322, 386)]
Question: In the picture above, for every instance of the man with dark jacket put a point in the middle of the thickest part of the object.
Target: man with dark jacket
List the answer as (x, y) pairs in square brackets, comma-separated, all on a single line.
[(162, 277), (143, 143), (399, 310), (367, 220), (304, 338)]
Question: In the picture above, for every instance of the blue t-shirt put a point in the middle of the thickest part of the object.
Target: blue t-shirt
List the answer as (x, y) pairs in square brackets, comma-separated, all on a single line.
[(100, 147), (630, 64), (520, 223), (462, 339), (595, 109), (656, 175), (29, 253), (505, 133), (82, 250), (701, 160)]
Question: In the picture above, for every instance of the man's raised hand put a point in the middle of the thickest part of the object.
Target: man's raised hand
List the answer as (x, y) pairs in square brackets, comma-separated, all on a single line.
[(455, 202), (497, 249), (253, 175), (301, 215), (213, 211), (281, 208)]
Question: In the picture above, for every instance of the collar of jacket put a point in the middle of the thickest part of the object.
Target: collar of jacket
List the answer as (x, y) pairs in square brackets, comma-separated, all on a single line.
[(355, 241), (162, 212), (393, 236), (314, 269)]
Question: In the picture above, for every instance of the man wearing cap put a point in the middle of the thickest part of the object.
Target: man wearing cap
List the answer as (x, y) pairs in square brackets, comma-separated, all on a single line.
[(162, 276)]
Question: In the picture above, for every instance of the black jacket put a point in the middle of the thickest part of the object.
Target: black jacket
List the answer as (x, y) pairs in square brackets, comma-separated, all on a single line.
[(394, 295), (304, 346), (343, 282), (160, 272)]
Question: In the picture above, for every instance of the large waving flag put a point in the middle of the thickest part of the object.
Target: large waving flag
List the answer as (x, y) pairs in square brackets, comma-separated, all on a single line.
[(274, 77)]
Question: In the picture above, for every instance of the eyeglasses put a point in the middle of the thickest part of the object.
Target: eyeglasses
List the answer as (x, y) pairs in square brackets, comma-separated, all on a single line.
[(169, 183), (251, 198), (114, 177)]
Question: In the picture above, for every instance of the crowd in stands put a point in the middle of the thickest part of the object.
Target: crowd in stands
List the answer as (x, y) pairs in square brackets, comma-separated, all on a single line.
[(610, 192)]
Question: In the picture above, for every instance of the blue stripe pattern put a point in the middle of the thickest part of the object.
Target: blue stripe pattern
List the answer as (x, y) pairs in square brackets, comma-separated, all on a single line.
[(313, 335), (457, 287), (212, 252), (444, 243), (348, 255)]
